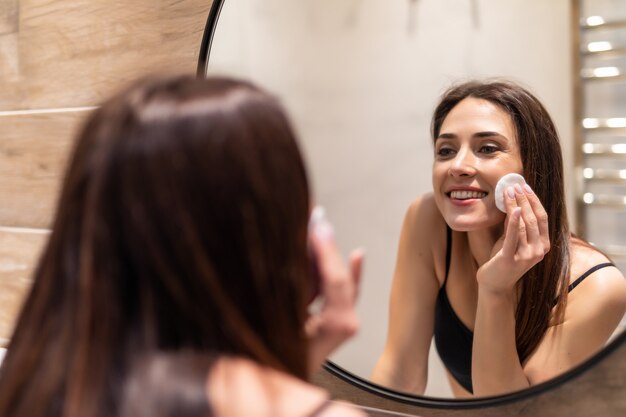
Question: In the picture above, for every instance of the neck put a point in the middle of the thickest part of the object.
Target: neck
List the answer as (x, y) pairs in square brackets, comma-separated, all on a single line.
[(481, 242)]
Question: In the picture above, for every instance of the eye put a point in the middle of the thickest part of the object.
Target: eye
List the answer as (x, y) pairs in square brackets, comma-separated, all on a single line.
[(444, 152), (488, 149)]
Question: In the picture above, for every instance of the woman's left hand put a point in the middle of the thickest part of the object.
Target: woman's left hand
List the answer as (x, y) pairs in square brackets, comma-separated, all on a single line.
[(524, 243), (336, 321)]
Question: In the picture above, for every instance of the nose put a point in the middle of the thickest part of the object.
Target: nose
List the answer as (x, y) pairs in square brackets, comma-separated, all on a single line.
[(463, 165)]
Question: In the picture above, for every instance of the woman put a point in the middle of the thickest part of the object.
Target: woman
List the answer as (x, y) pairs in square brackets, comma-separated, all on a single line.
[(496, 290), (182, 225)]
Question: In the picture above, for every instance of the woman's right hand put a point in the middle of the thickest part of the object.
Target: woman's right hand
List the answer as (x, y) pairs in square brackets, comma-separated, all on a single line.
[(336, 321), (524, 243)]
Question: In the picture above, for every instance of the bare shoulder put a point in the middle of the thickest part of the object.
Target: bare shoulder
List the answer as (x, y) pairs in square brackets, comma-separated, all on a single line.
[(604, 288), (240, 387), (423, 211), (424, 233), (424, 225), (606, 279)]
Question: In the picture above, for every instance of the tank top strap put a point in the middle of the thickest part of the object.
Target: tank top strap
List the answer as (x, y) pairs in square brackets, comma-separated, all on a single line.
[(586, 274), (448, 253)]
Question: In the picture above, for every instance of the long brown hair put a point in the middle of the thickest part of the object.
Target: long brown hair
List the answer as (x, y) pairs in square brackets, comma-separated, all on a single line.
[(182, 224), (544, 285)]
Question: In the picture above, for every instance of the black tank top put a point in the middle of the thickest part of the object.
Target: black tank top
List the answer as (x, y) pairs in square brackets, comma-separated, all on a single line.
[(453, 339)]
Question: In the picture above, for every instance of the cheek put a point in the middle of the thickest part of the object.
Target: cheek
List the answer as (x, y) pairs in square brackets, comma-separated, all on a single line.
[(496, 169), (514, 164), (437, 180), (436, 183), (438, 173)]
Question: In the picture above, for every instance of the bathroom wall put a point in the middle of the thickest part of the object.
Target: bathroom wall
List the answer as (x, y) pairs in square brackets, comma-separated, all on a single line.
[(58, 59)]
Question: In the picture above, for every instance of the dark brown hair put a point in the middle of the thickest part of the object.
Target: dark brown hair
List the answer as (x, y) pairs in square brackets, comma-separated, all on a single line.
[(182, 224), (546, 283)]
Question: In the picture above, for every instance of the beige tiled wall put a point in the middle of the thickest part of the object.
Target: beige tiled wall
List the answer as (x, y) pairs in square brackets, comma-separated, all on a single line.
[(58, 59)]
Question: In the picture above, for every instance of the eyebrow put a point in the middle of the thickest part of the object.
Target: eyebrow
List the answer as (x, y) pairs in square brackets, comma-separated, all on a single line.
[(485, 134)]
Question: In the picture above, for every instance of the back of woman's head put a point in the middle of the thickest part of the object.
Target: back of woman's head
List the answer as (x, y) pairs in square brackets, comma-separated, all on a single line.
[(181, 224)]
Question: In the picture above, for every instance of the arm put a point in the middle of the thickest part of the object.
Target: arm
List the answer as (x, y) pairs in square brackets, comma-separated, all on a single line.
[(496, 366), (593, 312), (403, 364)]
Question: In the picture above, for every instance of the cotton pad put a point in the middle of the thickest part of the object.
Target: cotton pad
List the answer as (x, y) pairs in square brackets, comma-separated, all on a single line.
[(506, 181)]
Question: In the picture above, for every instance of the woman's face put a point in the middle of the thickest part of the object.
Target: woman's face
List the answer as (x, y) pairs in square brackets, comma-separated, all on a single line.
[(476, 146)]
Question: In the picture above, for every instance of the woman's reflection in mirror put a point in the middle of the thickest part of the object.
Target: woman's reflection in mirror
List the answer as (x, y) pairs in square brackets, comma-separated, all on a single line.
[(512, 299), (183, 225)]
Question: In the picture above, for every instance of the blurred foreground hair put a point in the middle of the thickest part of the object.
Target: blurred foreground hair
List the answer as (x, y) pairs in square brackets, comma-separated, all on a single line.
[(182, 224)]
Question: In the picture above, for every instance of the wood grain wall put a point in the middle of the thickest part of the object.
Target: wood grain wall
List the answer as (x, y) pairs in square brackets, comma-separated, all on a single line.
[(58, 60)]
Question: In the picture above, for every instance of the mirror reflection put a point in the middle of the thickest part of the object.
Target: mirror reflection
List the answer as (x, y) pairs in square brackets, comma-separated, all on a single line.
[(496, 289), (361, 79)]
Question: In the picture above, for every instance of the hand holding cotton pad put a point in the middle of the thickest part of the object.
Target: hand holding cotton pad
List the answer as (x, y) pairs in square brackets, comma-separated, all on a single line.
[(506, 181)]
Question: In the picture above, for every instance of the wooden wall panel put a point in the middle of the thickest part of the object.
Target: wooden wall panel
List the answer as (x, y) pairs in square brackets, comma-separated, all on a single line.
[(58, 55), (9, 72), (71, 53), (19, 252), (8, 16), (33, 153)]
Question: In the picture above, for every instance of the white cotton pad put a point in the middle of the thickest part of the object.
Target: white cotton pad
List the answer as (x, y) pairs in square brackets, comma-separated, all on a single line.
[(506, 181)]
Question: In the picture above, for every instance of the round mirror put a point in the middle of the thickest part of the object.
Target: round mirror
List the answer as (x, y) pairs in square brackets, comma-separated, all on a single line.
[(360, 79)]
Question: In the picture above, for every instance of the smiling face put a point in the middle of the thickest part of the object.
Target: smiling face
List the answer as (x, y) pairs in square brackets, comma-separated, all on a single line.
[(476, 146)]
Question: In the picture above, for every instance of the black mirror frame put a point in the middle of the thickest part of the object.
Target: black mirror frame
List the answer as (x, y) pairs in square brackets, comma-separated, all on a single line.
[(482, 402), (383, 392), (207, 37)]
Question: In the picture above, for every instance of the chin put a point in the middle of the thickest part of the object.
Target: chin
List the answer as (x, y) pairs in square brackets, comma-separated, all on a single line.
[(467, 223)]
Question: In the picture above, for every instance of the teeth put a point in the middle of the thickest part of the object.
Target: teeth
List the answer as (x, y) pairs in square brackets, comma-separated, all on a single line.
[(465, 195)]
